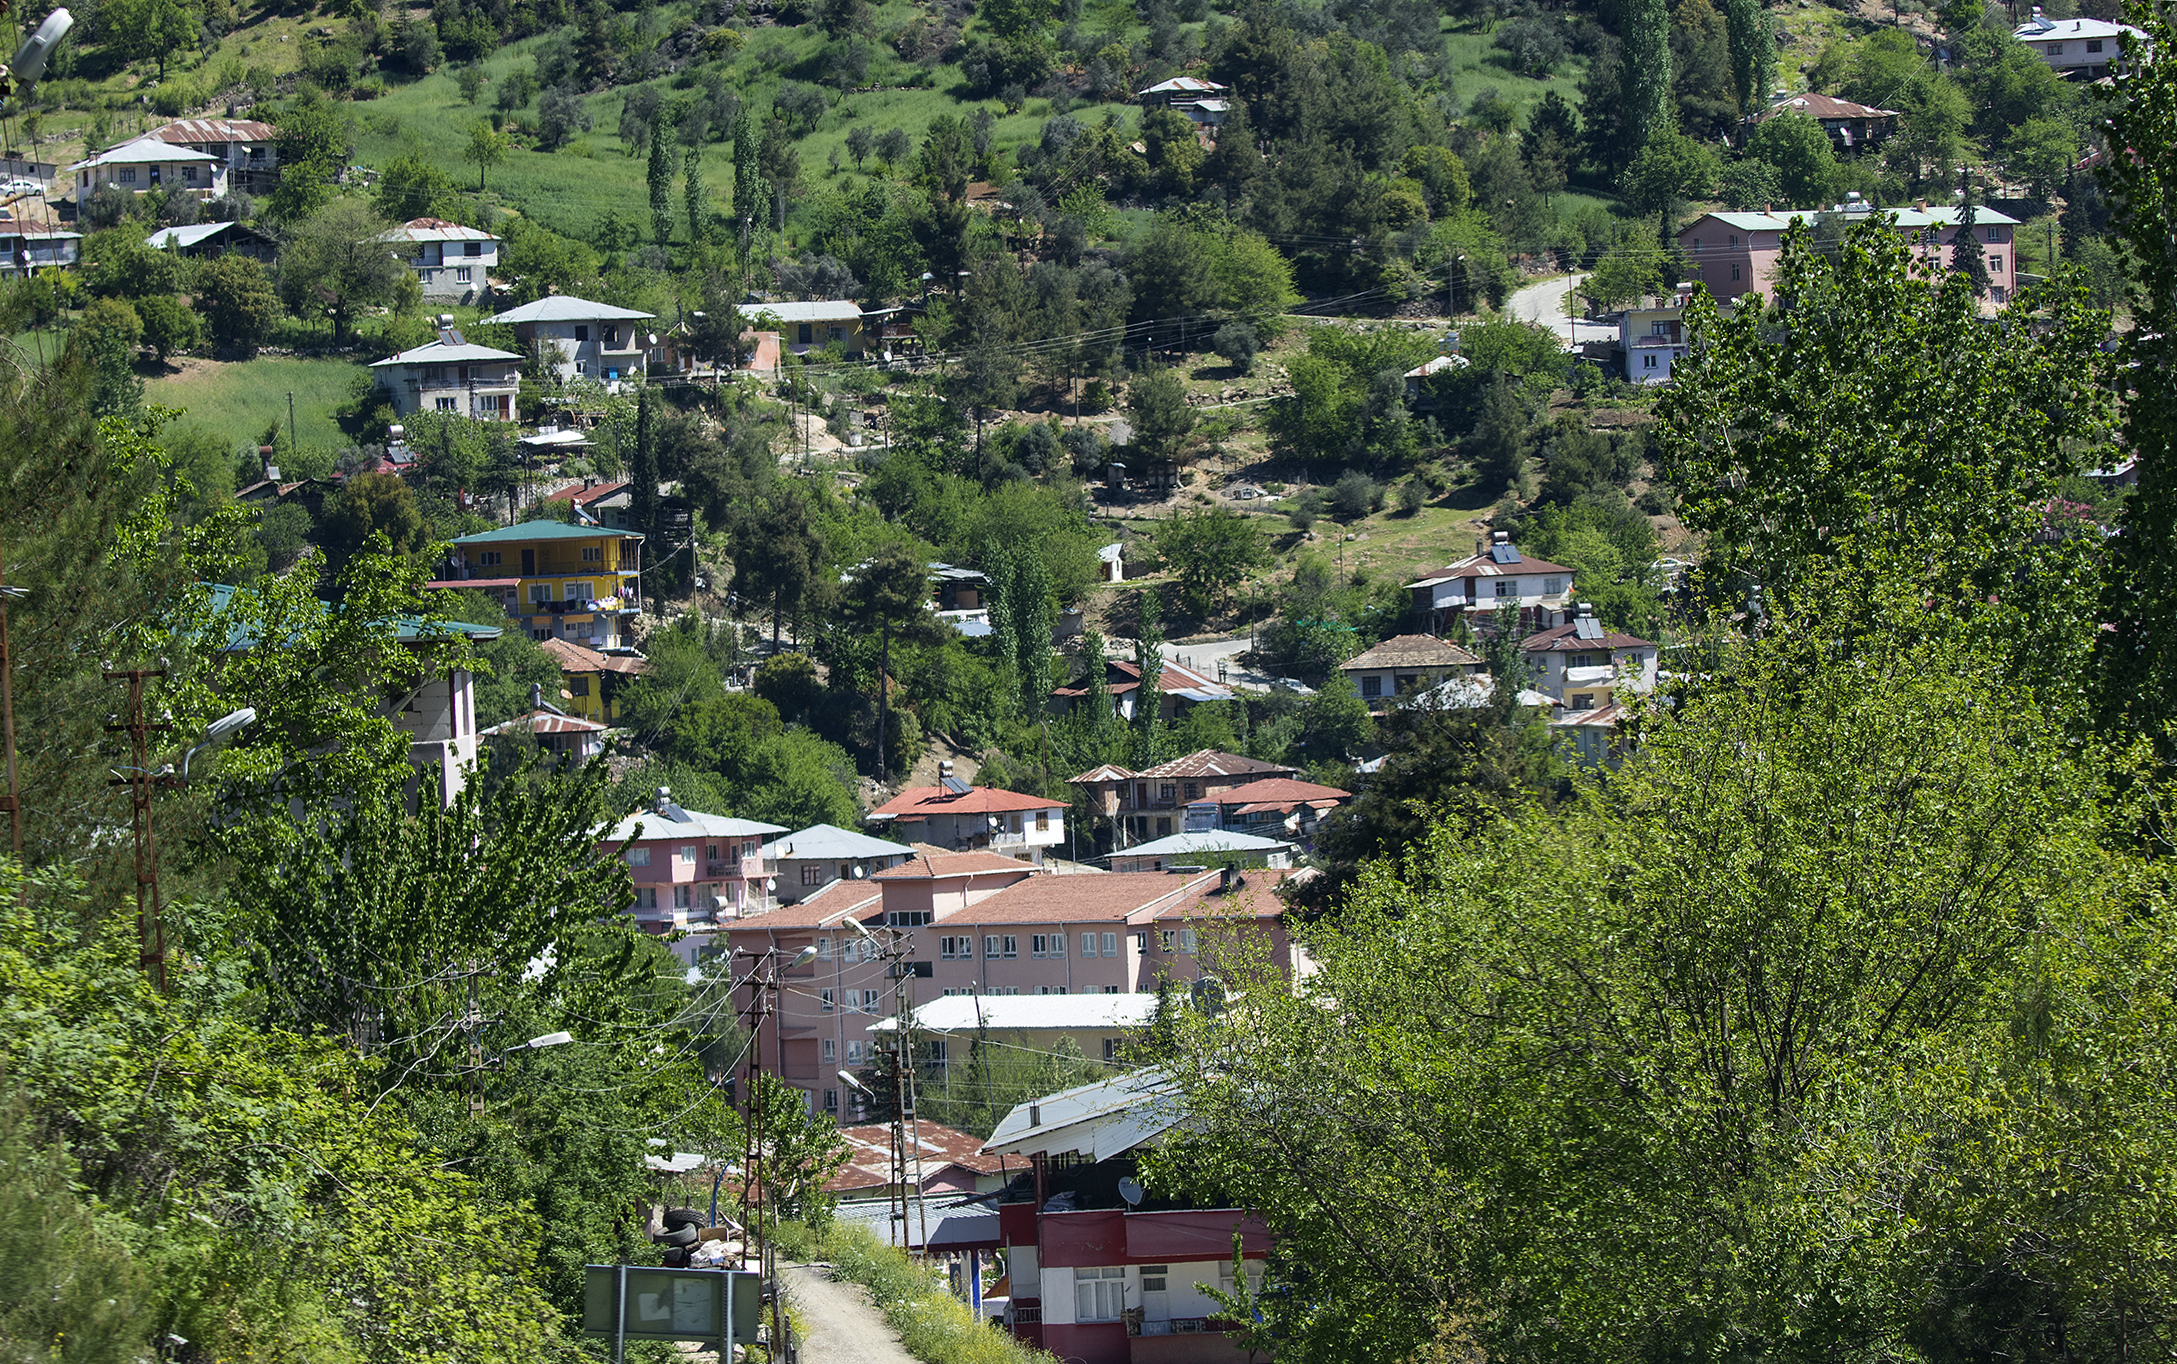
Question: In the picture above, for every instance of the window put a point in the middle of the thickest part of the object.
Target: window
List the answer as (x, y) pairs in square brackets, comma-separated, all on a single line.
[(612, 336), (685, 853), (447, 404), (831, 1051), (638, 857), (592, 554), (956, 949), (990, 946), (838, 333), (812, 876), (1099, 1294), (869, 1001), (472, 248), (1647, 362), (2056, 49), (580, 592), (823, 949), (1371, 686), (1008, 946), (1194, 790), (681, 898), (1734, 270), (578, 686), (540, 592), (1050, 989), (936, 1053), (831, 1101), (646, 898), (824, 1000), (1581, 701), (1166, 793), (1552, 586), (2093, 44), (1088, 944), (1186, 941), (908, 918), (1111, 989), (1696, 246), (128, 176), (854, 1053), (1164, 826), (1734, 241), (463, 275), (1111, 947), (1039, 944), (1141, 940), (1164, 939), (1995, 264), (1043, 817), (1152, 1278), (1504, 588), (581, 333), (189, 175), (488, 559), (1111, 1050)]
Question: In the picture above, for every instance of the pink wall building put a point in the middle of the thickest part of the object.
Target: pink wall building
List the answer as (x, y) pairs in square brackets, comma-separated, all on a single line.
[(1737, 253), (692, 871)]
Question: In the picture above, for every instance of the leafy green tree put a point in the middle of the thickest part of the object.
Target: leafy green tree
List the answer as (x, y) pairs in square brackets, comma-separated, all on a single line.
[(1646, 32), (69, 1289), (413, 185), (694, 199), (1671, 169), (892, 592), (2041, 152), (336, 263), (1942, 440), (311, 142), (663, 152), (108, 336), (1622, 275), (1156, 406), (1753, 52), (1498, 443), (487, 147), (169, 327), (1209, 551), (1967, 256), (1806, 163)]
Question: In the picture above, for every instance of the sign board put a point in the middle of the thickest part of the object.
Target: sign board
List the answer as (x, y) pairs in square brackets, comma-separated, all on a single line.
[(672, 1304)]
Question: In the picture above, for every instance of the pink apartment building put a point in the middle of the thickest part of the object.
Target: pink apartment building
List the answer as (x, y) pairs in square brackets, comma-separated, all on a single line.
[(1737, 253), (985, 924), (693, 872)]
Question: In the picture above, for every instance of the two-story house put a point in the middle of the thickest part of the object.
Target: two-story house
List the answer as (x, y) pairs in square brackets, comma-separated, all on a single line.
[(578, 338), (592, 684), (960, 817), (1738, 253), (806, 860), (247, 148), (1276, 807), (450, 261), (1405, 664), (147, 164), (2086, 48), (579, 583), (693, 872), (1652, 335), (1495, 578), (452, 374), (1852, 127), (1582, 665), (1155, 801)]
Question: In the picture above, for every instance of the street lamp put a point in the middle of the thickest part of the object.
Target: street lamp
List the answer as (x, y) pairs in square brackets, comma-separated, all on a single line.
[(233, 722)]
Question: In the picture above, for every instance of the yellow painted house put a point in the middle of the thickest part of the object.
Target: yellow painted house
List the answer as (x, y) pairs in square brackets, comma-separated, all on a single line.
[(581, 584), (591, 684)]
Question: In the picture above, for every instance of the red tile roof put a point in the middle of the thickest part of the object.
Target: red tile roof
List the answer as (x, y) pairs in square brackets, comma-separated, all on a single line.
[(572, 657), (1208, 762), (596, 492), (1276, 790), (945, 866), (832, 905), (546, 722), (1110, 898), (1254, 898), (869, 1165), (918, 801), (1482, 566)]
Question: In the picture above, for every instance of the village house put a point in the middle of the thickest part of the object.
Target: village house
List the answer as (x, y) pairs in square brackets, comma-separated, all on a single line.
[(452, 375), (593, 684), (450, 261), (31, 247), (1180, 689), (806, 860), (1583, 665), (247, 149), (1496, 577), (2085, 48), (1101, 1268), (1738, 253), (804, 327), (959, 817), (147, 163), (1652, 336), (578, 583), (1402, 665), (554, 730), (206, 240), (1207, 848), (581, 339), (1277, 807), (693, 873), (1148, 802), (1851, 127)]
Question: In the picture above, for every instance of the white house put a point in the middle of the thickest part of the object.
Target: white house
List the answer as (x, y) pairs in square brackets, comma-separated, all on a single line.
[(804, 327), (450, 261), (580, 338), (1496, 577), (807, 860), (1584, 666), (452, 375), (216, 239), (247, 148), (148, 163), (1405, 664), (1223, 847), (965, 818), (2085, 47)]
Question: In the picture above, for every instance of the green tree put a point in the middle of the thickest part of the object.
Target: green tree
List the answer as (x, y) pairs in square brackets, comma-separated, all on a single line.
[(663, 152), (311, 142), (375, 504), (336, 262), (169, 327), (1156, 406), (1671, 169), (1646, 29), (1622, 275), (1967, 256), (1210, 551), (487, 147), (69, 1290), (1499, 439), (108, 335), (892, 592), (413, 185), (1805, 161), (693, 197), (2041, 152), (1753, 52)]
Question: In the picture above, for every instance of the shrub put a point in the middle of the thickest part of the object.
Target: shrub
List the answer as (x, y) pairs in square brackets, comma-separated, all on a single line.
[(1238, 345), (1354, 495)]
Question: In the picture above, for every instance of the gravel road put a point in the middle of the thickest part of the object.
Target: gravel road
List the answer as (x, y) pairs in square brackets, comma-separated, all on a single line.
[(843, 1326)]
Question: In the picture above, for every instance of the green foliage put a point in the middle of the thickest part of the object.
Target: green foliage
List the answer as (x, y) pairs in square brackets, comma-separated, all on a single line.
[(1753, 52), (69, 1289), (335, 264), (169, 327), (107, 337), (1156, 405), (1671, 169), (1805, 161), (1210, 551), (933, 1324), (238, 303), (1338, 386), (311, 143)]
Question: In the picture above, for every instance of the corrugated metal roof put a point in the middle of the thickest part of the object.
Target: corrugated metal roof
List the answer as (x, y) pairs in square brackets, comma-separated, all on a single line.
[(567, 308)]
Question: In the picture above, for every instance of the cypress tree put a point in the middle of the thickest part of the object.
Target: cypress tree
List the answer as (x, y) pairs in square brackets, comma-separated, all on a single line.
[(643, 473), (661, 179), (1753, 52), (692, 195), (749, 198), (1646, 69)]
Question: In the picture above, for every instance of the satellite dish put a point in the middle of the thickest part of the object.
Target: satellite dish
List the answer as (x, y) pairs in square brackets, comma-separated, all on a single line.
[(1131, 1192)]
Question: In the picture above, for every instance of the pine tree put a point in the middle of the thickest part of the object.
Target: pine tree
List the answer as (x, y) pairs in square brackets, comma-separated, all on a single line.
[(662, 150), (1029, 597), (1646, 70), (1753, 52), (1966, 256)]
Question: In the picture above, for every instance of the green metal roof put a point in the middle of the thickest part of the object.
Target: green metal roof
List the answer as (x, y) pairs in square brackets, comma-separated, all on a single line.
[(543, 530)]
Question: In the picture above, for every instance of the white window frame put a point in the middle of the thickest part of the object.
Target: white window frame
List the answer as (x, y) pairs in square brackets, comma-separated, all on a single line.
[(831, 1050), (638, 857), (1099, 1293), (824, 1000), (1111, 944), (1088, 944)]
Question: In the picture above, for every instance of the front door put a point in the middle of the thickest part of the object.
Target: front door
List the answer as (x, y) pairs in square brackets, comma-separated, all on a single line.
[(529, 563), (1156, 1299)]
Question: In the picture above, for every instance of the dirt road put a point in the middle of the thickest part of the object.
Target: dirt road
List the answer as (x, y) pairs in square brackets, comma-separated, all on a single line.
[(842, 1325)]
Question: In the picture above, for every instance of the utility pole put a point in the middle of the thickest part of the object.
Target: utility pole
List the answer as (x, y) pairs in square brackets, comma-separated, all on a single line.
[(293, 446), (763, 988), (895, 950), (150, 925), (7, 718)]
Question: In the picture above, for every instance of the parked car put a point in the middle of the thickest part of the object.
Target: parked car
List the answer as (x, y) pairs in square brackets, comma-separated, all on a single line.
[(14, 188)]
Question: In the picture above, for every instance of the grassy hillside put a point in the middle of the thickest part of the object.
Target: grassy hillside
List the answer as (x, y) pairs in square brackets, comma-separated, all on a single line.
[(236, 401)]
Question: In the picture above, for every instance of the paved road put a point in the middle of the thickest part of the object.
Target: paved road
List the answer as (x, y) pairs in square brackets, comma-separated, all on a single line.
[(843, 1326), (1544, 303)]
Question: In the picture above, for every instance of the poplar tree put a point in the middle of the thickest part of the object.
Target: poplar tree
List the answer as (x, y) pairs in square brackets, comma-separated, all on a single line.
[(661, 179), (692, 195), (643, 469), (1647, 69), (748, 187), (1753, 52)]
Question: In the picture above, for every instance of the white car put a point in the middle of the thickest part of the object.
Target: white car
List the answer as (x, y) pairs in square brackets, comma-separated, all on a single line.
[(15, 188)]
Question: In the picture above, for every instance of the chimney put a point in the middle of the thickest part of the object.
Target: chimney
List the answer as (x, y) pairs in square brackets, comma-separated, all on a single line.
[(1479, 546), (1920, 204)]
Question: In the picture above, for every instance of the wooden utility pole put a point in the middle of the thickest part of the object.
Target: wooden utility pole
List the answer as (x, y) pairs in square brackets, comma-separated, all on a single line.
[(150, 924)]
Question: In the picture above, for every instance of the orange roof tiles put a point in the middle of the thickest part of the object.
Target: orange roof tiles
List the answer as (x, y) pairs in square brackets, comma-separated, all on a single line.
[(941, 866), (1108, 898), (916, 801)]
